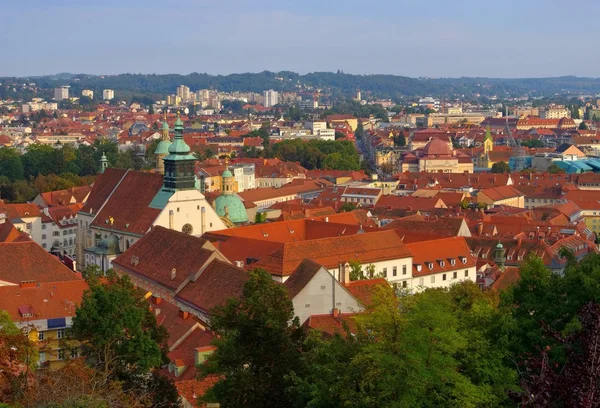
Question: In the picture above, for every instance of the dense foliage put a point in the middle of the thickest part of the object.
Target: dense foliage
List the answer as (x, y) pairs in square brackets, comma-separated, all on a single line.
[(391, 86), (46, 168), (319, 154), (535, 344), (258, 347)]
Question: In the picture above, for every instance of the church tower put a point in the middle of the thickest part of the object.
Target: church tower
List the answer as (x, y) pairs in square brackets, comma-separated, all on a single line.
[(162, 149), (488, 142), (179, 163), (103, 163)]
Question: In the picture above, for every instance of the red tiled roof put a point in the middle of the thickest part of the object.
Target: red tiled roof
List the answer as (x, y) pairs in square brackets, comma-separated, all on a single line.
[(103, 187), (129, 204), (363, 290), (217, 283), (44, 300), (330, 325), (330, 252), (438, 251), (27, 261), (8, 233), (160, 251), (20, 211), (64, 197)]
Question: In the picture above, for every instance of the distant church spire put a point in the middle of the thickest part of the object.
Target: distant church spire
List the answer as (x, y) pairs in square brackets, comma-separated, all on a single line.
[(103, 163)]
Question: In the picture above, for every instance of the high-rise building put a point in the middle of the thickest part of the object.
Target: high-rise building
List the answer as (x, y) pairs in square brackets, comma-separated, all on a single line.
[(183, 92), (61, 93), (270, 98), (87, 92), (108, 94)]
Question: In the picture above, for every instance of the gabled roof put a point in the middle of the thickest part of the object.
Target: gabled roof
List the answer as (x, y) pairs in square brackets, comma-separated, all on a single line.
[(103, 187), (301, 276), (64, 197), (439, 254), (27, 261), (43, 301), (161, 251), (8, 233), (215, 285), (129, 204), (330, 252), (20, 211)]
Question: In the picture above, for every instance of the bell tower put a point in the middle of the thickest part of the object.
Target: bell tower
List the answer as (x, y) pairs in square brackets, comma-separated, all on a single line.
[(179, 164)]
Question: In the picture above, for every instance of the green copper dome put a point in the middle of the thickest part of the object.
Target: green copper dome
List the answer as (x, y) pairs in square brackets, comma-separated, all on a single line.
[(163, 147), (179, 149), (231, 207), (165, 125), (227, 173)]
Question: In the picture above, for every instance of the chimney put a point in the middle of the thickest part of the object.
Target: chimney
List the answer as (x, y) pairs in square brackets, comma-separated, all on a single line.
[(480, 229), (326, 219), (183, 315), (173, 273), (335, 313), (156, 300), (239, 264), (171, 219)]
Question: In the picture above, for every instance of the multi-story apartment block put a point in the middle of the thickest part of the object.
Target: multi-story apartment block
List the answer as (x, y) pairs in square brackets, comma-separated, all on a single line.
[(108, 94), (270, 98), (87, 92), (61, 93)]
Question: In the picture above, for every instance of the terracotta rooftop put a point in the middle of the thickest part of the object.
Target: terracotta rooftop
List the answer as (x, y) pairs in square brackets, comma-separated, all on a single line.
[(161, 251), (103, 187), (27, 261), (215, 285), (42, 300), (438, 255), (128, 205)]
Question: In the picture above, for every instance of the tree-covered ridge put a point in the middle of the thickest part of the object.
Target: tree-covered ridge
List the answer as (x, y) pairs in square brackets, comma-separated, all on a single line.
[(379, 85)]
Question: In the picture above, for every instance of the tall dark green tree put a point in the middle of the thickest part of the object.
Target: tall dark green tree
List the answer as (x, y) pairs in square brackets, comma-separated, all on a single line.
[(258, 347), (500, 167), (120, 336)]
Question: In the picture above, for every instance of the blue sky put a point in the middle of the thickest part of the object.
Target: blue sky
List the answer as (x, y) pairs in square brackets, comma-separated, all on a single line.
[(438, 38)]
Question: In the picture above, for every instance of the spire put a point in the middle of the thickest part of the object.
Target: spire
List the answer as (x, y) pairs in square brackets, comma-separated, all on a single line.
[(179, 163), (165, 129), (103, 163)]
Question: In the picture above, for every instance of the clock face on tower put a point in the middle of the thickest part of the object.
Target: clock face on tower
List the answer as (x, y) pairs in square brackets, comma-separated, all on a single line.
[(187, 229)]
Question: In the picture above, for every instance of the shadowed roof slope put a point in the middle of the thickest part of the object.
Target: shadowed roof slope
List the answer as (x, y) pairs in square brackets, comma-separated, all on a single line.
[(301, 276), (27, 261), (161, 250), (129, 204), (103, 186), (217, 283)]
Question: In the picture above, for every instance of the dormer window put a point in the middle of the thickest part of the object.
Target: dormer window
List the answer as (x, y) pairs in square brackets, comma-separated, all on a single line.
[(430, 265), (463, 259), (442, 263), (452, 261), (418, 266)]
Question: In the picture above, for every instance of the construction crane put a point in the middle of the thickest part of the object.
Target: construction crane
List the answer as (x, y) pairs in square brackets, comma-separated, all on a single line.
[(518, 155)]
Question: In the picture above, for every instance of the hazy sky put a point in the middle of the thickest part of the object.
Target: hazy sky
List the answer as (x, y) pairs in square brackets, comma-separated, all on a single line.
[(525, 38)]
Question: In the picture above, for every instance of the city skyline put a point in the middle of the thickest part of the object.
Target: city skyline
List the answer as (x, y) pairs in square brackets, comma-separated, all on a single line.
[(443, 40)]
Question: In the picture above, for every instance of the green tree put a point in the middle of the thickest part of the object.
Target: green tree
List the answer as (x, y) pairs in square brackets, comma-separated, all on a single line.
[(583, 126), (258, 347), (554, 169), (11, 164), (339, 135), (438, 348), (500, 167), (347, 207), (119, 334), (400, 140), (360, 130), (209, 153)]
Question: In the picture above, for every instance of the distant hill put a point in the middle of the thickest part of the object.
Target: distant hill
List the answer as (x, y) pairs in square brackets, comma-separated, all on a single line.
[(390, 86)]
